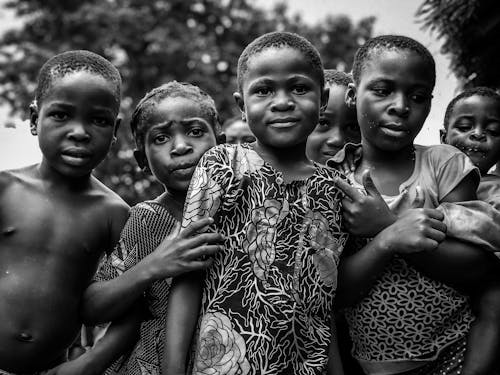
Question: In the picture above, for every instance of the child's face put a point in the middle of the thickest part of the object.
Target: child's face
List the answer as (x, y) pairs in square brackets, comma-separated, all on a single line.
[(178, 135), (336, 127), (281, 97), (474, 128), (76, 123), (238, 132), (393, 98)]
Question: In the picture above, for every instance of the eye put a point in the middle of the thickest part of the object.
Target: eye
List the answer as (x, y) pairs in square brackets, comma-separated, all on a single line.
[(58, 115), (300, 89), (160, 139), (101, 121), (463, 125), (420, 98), (381, 91), (493, 131), (196, 132), (263, 91)]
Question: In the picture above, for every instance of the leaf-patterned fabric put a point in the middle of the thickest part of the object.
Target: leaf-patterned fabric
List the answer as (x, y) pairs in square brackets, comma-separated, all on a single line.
[(268, 296)]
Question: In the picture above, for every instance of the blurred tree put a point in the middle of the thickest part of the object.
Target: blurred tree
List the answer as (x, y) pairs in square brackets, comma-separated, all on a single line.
[(470, 31), (152, 42)]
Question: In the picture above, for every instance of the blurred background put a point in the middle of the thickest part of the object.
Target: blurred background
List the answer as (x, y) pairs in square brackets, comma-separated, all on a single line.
[(155, 41)]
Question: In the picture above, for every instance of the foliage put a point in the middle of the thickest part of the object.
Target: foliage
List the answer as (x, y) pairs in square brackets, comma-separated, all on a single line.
[(469, 29), (151, 42)]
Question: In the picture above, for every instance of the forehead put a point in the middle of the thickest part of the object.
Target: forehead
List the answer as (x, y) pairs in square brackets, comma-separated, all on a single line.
[(477, 104), (279, 62), (176, 109), (397, 64), (83, 86)]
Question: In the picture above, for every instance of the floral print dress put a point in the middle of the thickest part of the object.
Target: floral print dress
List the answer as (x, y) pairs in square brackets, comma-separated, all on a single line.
[(268, 297)]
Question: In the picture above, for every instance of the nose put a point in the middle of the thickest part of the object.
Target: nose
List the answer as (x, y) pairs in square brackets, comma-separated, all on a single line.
[(78, 132), (282, 101), (335, 138), (400, 105), (478, 134), (180, 146)]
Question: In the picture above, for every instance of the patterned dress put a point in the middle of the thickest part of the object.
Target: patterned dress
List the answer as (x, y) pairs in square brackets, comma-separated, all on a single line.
[(148, 225), (269, 295)]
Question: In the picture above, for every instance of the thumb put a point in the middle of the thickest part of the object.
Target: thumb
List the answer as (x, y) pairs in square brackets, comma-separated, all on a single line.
[(368, 184), (419, 198)]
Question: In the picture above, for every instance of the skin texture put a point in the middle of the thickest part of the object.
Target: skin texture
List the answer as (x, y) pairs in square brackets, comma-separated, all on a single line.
[(474, 128), (337, 126), (393, 99), (56, 221), (238, 132), (281, 103)]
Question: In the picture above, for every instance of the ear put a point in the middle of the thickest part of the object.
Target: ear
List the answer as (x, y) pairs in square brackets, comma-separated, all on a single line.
[(33, 118), (442, 135), (238, 98), (325, 94), (350, 96), (141, 160)]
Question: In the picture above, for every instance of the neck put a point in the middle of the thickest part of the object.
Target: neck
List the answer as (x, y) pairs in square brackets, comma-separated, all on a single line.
[(284, 157), (174, 201), (56, 179), (376, 157)]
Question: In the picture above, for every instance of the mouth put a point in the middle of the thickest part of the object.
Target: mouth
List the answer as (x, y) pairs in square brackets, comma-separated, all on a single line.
[(394, 129), (283, 122), (183, 169), (76, 156), (473, 150)]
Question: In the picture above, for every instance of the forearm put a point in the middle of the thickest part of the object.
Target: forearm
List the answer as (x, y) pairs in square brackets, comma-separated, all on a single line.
[(458, 264), (107, 300), (359, 271), (182, 314), (120, 337)]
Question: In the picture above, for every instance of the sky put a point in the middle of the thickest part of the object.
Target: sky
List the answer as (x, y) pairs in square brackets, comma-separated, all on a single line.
[(18, 147)]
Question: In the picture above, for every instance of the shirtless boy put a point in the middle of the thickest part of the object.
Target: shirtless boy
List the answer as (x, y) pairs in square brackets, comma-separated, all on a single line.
[(56, 219)]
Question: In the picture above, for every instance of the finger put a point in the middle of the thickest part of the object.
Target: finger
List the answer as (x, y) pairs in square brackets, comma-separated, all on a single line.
[(202, 239), (419, 198), (346, 167), (196, 227), (350, 161), (435, 235), (433, 213), (368, 184), (201, 252), (429, 244), (347, 189), (438, 225), (199, 264)]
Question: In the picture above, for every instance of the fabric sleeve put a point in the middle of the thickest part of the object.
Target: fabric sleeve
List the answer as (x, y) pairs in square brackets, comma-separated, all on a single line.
[(210, 180), (124, 255), (452, 170)]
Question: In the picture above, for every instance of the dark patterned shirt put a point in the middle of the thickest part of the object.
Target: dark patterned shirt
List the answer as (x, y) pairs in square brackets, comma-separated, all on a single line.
[(269, 295), (148, 225)]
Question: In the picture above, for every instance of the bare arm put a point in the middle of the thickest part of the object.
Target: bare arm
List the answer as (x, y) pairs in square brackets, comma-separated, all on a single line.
[(104, 301), (334, 360), (120, 337), (182, 314)]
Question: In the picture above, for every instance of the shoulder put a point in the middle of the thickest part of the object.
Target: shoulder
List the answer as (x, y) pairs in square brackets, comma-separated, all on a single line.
[(444, 157), (21, 176), (114, 206), (438, 152)]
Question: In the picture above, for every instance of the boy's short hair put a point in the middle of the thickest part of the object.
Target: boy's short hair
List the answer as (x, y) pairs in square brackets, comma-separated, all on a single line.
[(279, 39), (479, 91), (173, 89), (76, 61), (336, 77), (388, 42)]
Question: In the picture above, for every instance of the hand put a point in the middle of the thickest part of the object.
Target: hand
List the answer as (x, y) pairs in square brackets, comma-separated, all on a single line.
[(78, 366), (188, 251), (364, 215), (418, 229), (347, 158)]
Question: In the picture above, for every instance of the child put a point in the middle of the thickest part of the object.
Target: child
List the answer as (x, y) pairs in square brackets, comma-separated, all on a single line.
[(56, 218), (472, 124), (338, 125), (236, 130), (268, 297), (409, 321), (173, 126)]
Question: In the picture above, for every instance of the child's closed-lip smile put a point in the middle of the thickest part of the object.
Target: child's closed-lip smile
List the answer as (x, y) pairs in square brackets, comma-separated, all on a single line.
[(283, 122), (76, 156)]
